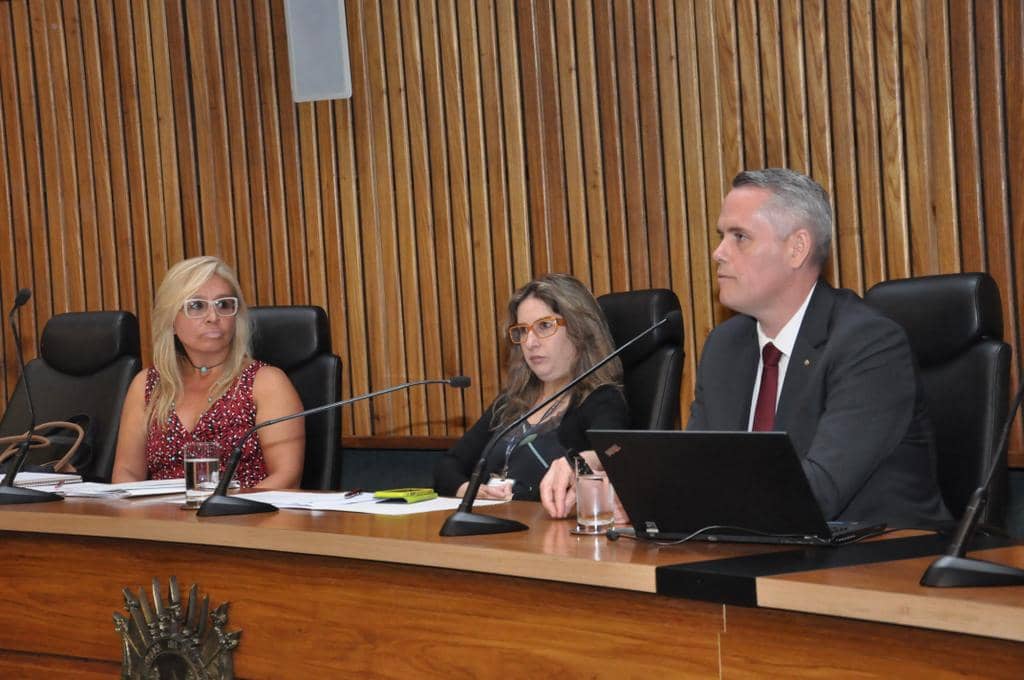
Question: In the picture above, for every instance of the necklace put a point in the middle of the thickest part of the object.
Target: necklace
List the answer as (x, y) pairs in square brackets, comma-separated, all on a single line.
[(526, 439), (204, 370)]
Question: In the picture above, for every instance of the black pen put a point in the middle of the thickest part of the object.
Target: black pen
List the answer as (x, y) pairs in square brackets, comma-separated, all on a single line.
[(353, 492)]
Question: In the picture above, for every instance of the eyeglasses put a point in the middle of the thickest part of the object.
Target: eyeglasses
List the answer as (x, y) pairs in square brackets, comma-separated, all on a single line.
[(197, 308), (544, 327)]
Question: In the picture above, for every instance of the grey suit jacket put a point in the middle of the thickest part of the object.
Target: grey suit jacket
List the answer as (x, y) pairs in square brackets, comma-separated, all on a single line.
[(851, 402)]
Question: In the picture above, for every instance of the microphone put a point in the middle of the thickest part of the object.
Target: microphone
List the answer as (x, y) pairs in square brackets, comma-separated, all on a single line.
[(10, 494), (954, 569), (220, 503), (464, 522)]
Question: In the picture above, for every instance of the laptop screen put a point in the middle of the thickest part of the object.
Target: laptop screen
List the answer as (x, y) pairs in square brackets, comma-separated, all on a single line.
[(677, 482)]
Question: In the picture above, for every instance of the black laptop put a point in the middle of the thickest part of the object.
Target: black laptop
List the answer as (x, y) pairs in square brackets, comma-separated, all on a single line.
[(749, 486)]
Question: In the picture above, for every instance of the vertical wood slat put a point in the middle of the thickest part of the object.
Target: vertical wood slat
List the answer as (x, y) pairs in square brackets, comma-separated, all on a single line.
[(487, 143)]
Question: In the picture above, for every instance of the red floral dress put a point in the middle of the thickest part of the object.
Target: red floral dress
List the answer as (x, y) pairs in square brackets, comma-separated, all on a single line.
[(226, 421)]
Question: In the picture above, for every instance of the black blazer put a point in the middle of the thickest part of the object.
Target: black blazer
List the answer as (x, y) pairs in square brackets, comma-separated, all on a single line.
[(851, 402)]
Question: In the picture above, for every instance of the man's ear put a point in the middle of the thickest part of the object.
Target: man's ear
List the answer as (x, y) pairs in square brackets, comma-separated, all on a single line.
[(799, 245)]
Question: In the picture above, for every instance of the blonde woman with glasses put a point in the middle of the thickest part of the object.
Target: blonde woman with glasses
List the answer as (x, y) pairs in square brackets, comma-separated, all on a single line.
[(555, 332), (205, 387)]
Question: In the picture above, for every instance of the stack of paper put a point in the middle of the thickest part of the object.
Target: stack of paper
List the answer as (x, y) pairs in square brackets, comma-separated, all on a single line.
[(151, 487), (38, 479)]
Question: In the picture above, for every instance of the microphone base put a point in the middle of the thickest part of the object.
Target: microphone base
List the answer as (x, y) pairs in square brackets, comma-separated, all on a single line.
[(965, 572), (462, 523), (220, 506), (18, 495)]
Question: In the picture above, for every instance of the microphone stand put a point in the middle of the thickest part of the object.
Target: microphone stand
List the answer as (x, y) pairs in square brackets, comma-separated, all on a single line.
[(954, 570), (464, 522), (220, 503), (10, 494)]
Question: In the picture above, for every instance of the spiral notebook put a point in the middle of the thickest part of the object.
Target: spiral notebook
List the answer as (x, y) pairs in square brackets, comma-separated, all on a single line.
[(750, 486)]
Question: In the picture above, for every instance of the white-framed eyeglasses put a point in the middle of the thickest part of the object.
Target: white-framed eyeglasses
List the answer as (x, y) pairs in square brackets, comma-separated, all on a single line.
[(197, 308)]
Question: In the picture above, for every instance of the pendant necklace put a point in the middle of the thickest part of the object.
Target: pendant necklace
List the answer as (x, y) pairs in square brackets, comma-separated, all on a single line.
[(204, 370)]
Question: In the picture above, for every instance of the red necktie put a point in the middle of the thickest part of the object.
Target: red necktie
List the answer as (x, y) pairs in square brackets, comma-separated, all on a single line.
[(764, 411)]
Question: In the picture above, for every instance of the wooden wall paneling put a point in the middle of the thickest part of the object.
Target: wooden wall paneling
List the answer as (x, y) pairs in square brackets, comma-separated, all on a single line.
[(155, 233), (478, 249), (965, 135), (121, 223), (352, 346), (815, 97), (864, 62), (892, 141), (495, 125), (557, 241), (311, 224), (291, 163), (429, 331), (405, 224), (992, 127), (467, 304), (773, 87), (632, 150), (89, 292), (847, 267), (167, 72), (612, 166), (65, 226), (49, 158), (694, 284), (258, 263), (677, 194), (276, 279), (103, 246), (235, 160), (384, 303), (130, 102), (1013, 48), (13, 210), (729, 104), (648, 93), (710, 126), (457, 402), (575, 182), (751, 90), (942, 162), (923, 244), (797, 116), (590, 148), (512, 107)]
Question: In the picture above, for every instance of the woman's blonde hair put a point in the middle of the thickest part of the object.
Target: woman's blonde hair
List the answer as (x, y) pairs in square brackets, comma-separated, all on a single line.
[(588, 331), (181, 282)]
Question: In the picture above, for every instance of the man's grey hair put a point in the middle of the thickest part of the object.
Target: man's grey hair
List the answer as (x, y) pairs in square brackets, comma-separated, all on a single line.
[(798, 201)]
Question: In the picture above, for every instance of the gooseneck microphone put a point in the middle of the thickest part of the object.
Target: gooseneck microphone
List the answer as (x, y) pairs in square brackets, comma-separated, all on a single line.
[(220, 503), (464, 522), (10, 494), (954, 569)]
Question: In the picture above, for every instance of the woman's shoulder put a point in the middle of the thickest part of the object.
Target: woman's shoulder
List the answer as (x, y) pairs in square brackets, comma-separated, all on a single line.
[(267, 377)]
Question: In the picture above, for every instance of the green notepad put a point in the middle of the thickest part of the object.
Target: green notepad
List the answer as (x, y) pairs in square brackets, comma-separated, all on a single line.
[(405, 495)]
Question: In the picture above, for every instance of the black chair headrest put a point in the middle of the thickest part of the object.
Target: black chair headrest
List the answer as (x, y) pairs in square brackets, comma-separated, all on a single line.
[(633, 312), (82, 343), (942, 314), (288, 336)]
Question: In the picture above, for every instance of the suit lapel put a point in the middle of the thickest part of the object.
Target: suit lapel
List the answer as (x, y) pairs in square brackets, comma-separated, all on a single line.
[(740, 386), (810, 343)]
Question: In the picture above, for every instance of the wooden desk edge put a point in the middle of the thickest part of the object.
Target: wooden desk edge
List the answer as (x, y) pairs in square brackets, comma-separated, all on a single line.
[(446, 553), (907, 609)]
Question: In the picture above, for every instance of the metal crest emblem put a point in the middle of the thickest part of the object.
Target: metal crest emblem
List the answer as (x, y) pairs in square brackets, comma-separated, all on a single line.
[(167, 641)]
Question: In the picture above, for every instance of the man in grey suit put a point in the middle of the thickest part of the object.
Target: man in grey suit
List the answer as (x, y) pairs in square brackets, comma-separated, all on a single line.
[(840, 378), (845, 387)]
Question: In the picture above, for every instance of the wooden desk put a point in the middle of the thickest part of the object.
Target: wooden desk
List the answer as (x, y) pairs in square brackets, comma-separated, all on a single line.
[(335, 594)]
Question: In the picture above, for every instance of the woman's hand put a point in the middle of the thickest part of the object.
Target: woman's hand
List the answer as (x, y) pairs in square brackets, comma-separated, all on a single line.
[(496, 492)]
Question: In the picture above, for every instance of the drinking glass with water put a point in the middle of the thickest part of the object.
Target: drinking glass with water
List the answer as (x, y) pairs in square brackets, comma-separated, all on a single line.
[(202, 471)]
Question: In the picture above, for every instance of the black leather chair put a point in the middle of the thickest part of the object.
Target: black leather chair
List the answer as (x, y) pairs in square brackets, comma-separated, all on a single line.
[(86, 362), (653, 367), (297, 339), (955, 326)]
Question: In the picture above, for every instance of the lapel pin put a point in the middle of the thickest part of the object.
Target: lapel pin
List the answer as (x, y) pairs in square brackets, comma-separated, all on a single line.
[(807, 362)]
